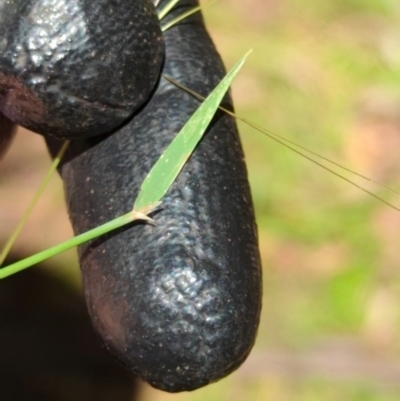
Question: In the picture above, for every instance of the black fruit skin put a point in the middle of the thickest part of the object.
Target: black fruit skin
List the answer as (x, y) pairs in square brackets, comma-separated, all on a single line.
[(177, 303), (74, 69)]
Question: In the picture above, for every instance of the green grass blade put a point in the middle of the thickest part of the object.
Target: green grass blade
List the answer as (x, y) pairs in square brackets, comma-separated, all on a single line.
[(168, 7), (167, 168), (7, 248), (185, 15), (64, 246), (78, 240)]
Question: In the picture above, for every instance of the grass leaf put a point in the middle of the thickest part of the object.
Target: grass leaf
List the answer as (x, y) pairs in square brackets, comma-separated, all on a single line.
[(181, 17), (8, 246), (167, 168), (168, 7)]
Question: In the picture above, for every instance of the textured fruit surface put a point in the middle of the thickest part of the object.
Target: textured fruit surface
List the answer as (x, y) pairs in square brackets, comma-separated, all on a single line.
[(77, 68), (179, 302)]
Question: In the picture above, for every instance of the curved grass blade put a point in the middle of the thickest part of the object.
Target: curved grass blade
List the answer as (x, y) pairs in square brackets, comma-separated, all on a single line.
[(64, 246), (167, 168), (7, 248), (185, 15), (165, 10), (78, 240)]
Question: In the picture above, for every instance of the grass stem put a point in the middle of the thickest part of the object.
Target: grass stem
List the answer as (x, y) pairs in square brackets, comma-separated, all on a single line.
[(64, 246), (10, 243)]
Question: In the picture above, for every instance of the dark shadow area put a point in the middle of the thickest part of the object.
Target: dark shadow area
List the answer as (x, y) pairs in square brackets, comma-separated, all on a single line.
[(7, 133), (48, 349)]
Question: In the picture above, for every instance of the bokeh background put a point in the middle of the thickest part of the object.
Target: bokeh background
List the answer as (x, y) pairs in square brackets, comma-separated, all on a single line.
[(327, 76)]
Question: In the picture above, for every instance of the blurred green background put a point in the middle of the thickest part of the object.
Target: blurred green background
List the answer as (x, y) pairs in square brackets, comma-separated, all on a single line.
[(327, 76)]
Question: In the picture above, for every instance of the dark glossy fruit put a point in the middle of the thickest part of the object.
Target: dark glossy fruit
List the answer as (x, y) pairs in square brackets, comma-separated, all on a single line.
[(77, 68), (178, 303), (7, 131)]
